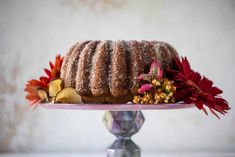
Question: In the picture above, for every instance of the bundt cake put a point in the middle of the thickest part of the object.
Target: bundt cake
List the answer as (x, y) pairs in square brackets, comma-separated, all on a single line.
[(107, 71)]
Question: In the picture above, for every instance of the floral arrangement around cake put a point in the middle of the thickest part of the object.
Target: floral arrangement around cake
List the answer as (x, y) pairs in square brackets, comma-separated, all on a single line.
[(180, 84)]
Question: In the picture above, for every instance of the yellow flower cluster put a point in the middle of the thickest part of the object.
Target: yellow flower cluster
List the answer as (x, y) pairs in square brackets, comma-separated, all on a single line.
[(161, 92)]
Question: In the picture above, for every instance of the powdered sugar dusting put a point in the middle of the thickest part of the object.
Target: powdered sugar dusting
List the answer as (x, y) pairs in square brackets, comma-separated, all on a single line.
[(84, 66), (111, 49), (166, 56), (155, 51), (136, 66), (172, 50), (119, 70), (72, 65), (99, 71)]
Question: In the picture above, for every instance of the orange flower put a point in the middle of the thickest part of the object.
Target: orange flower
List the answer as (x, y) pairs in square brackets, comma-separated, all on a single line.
[(34, 85), (55, 68), (32, 89)]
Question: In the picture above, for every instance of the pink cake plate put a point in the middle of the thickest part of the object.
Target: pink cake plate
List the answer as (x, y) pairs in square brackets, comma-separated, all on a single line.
[(117, 107), (122, 120)]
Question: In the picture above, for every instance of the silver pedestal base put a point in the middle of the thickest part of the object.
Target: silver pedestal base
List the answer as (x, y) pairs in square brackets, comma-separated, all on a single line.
[(123, 148), (123, 124)]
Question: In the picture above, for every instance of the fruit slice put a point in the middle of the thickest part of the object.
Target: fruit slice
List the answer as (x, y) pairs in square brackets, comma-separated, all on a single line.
[(68, 95), (55, 86), (42, 95)]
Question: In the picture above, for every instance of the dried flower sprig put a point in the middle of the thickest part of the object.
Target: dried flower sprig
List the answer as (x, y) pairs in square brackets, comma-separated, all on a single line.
[(161, 91), (156, 89)]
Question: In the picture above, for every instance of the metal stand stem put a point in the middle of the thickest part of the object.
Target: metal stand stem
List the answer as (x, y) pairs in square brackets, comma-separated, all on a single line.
[(123, 124)]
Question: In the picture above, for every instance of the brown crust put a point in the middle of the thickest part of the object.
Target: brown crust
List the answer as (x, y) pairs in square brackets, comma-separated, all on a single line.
[(107, 99)]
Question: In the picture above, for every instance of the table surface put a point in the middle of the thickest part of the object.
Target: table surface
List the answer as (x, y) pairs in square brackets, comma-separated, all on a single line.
[(163, 154)]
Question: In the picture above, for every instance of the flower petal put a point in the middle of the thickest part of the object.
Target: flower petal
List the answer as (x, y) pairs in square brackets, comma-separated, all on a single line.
[(186, 66), (193, 88), (199, 104), (204, 110), (48, 72), (215, 91), (156, 70), (51, 65), (205, 84), (144, 77), (213, 112), (145, 87)]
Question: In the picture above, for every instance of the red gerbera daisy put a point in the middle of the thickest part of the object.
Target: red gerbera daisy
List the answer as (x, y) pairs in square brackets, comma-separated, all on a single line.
[(193, 88)]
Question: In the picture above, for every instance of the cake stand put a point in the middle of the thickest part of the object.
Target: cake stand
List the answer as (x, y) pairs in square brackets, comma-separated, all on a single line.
[(122, 120)]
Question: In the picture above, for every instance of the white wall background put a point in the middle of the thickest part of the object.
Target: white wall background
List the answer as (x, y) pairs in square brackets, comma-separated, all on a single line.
[(33, 32)]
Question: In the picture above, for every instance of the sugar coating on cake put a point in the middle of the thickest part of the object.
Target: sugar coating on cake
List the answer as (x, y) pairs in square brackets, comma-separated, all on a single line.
[(107, 71)]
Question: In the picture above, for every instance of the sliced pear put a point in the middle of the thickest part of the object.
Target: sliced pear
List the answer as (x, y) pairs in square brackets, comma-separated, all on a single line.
[(55, 86), (68, 95), (43, 95)]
